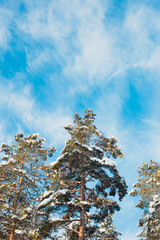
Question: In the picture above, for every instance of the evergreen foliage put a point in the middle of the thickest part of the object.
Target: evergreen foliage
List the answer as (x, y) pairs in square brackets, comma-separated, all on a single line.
[(148, 189), (107, 230), (22, 179), (84, 181)]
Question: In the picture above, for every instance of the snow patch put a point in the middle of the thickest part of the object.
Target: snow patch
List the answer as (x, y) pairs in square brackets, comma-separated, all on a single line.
[(3, 163), (12, 160), (20, 232), (104, 161), (50, 196)]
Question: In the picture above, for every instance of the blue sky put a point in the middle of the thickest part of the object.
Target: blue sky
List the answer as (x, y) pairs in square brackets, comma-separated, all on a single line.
[(58, 57)]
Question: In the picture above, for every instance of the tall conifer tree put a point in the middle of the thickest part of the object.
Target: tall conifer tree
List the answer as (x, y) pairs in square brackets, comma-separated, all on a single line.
[(148, 189), (22, 179), (85, 180)]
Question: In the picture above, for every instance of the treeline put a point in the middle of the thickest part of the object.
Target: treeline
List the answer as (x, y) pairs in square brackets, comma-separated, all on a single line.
[(74, 196)]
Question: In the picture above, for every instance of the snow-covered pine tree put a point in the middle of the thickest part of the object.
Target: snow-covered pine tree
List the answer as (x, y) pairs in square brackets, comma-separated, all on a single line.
[(87, 180), (152, 220), (148, 189), (22, 179)]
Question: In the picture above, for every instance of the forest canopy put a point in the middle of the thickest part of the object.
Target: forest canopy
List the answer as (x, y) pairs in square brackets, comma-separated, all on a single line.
[(76, 195)]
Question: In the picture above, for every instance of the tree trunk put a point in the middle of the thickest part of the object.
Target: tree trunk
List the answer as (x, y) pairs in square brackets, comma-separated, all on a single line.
[(13, 221), (82, 222), (15, 210), (82, 226), (12, 233)]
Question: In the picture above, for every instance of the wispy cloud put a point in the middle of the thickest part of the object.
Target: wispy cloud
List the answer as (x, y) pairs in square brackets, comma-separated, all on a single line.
[(87, 46), (82, 40), (30, 117), (130, 235), (6, 17)]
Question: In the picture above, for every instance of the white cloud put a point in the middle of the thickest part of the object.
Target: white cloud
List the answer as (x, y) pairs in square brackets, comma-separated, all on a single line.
[(22, 106), (154, 62), (38, 59), (141, 32), (78, 26), (89, 49), (6, 24), (153, 136), (18, 102), (81, 40), (130, 235), (1, 132), (95, 55)]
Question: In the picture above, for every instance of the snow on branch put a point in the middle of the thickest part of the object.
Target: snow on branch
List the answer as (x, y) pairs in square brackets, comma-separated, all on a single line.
[(51, 196), (104, 161)]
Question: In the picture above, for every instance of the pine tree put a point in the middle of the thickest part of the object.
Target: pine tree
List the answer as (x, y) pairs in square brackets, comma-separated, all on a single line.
[(22, 179), (148, 189), (152, 220), (85, 180)]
